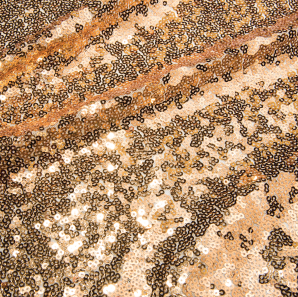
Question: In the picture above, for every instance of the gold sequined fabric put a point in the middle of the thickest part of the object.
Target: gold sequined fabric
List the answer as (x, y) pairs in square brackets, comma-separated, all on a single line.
[(148, 148)]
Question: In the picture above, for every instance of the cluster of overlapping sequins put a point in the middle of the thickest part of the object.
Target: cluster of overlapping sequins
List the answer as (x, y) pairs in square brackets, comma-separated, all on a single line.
[(148, 148)]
